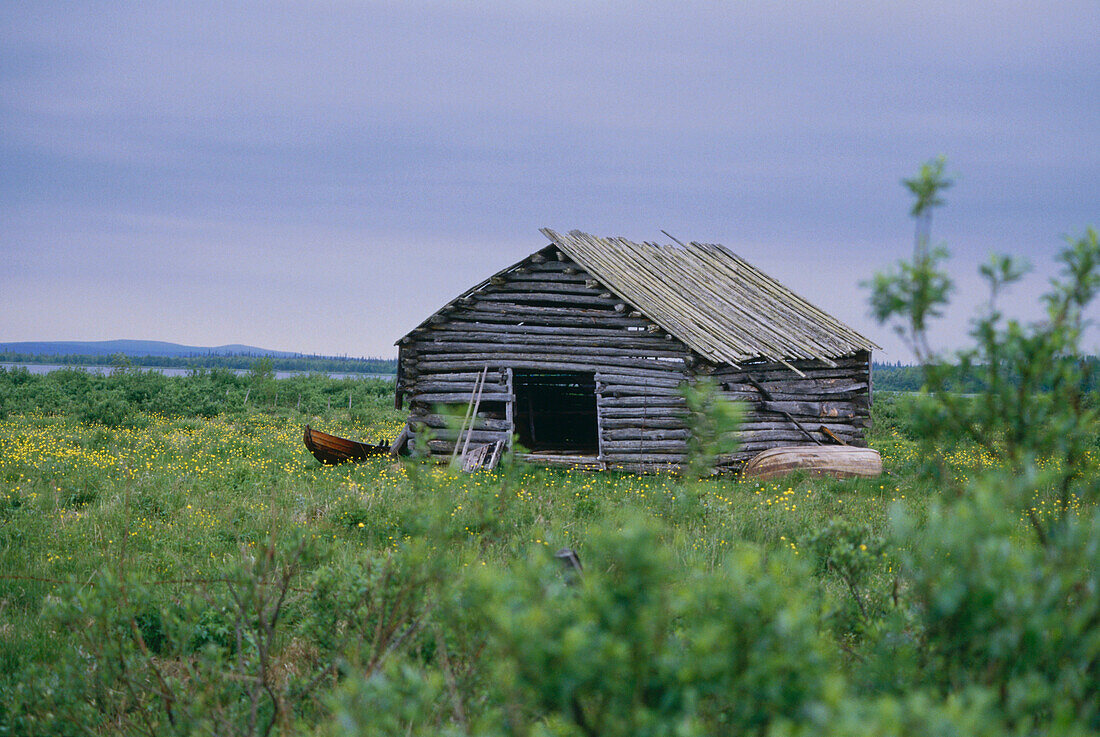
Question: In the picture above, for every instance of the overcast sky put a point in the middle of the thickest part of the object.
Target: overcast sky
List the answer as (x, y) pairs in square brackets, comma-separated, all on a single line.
[(321, 176)]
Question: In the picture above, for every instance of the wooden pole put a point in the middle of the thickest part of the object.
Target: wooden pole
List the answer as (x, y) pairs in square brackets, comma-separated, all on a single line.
[(479, 385), (473, 417)]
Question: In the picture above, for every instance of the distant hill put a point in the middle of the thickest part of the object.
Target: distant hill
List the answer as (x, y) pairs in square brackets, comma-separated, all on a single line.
[(135, 348)]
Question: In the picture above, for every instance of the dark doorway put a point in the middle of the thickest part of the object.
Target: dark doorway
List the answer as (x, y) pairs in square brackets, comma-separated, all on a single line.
[(556, 411)]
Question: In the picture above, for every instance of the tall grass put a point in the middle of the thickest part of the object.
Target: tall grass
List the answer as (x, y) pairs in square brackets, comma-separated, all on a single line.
[(153, 550)]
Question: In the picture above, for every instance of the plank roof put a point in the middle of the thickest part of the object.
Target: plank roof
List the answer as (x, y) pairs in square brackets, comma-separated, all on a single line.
[(714, 301), (709, 298)]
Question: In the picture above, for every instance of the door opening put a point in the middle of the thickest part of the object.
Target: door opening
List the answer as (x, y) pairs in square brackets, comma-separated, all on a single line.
[(555, 411)]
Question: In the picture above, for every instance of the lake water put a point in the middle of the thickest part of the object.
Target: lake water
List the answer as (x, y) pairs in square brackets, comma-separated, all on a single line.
[(45, 368)]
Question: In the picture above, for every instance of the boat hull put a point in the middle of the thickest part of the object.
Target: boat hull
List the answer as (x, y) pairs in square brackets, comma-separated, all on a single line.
[(333, 449), (836, 461)]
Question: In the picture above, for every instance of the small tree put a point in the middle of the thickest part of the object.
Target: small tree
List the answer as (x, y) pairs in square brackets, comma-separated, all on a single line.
[(1033, 411)]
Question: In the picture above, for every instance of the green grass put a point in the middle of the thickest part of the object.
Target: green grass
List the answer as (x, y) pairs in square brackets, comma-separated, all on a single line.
[(176, 505)]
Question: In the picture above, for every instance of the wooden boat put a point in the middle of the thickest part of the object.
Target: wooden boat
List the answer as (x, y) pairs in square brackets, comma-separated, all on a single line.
[(837, 461), (332, 449)]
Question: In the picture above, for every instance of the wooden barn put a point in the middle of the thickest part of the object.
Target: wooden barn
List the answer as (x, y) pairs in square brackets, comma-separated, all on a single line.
[(587, 341)]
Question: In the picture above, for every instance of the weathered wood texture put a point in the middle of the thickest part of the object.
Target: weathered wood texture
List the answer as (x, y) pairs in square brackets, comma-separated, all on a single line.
[(835, 460), (554, 316)]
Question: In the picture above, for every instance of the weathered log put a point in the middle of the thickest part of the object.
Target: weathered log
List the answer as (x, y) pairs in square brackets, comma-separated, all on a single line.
[(623, 365), (811, 409), (753, 397), (645, 435), (452, 397), (671, 402), (516, 280), (635, 390), (494, 376), (641, 348), (486, 313), (640, 469), (467, 388), (545, 298), (479, 423), (776, 390), (609, 377), (656, 458), (484, 309), (781, 423), (792, 434), (647, 445), (670, 423), (476, 436), (617, 330), (548, 267), (549, 460), (548, 286), (432, 348)]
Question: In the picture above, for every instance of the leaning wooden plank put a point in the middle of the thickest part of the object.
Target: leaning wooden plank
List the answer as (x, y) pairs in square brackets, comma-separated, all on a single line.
[(479, 457), (471, 410), (498, 450)]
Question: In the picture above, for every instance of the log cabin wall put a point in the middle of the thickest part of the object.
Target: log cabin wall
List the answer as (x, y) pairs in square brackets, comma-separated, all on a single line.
[(547, 314), (783, 408)]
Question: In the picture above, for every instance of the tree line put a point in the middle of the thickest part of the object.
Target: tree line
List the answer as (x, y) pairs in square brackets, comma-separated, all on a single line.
[(305, 364)]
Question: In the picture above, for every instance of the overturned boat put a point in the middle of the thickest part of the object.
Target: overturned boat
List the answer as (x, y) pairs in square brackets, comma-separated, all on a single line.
[(333, 449), (836, 461)]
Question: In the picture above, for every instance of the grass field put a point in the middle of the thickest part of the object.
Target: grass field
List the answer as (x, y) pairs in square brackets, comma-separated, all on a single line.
[(207, 575)]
